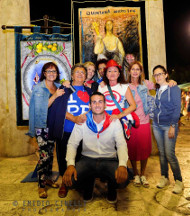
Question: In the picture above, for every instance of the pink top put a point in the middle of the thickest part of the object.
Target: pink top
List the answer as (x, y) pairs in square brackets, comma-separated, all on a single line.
[(144, 119)]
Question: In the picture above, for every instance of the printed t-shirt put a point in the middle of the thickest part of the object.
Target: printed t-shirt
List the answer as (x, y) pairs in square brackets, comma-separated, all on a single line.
[(119, 92), (78, 103)]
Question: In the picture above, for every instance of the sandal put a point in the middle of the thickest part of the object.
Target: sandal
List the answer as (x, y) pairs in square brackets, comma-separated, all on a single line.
[(137, 181), (144, 182), (42, 193)]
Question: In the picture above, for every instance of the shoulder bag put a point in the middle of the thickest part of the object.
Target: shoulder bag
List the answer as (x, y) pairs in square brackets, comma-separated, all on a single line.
[(126, 123)]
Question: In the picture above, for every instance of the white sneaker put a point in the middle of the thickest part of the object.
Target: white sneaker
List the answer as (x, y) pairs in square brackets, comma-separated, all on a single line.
[(144, 182), (178, 188), (163, 182), (137, 181)]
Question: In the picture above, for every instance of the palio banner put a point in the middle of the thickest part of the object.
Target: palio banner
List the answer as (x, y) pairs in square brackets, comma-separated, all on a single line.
[(110, 30), (107, 30), (35, 51)]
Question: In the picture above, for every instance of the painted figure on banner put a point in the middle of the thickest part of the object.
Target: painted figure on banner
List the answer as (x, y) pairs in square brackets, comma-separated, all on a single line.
[(34, 54), (109, 47)]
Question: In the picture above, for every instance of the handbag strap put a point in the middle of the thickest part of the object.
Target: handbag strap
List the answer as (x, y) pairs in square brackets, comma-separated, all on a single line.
[(113, 98)]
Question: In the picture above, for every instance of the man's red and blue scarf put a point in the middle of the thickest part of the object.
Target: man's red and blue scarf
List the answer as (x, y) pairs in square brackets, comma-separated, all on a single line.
[(92, 126)]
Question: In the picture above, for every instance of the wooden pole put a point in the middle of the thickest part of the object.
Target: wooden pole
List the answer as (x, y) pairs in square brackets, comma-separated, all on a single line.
[(4, 27), (46, 18)]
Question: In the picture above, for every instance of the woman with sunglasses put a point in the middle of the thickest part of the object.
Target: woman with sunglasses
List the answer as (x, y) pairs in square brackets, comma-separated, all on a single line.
[(165, 127)]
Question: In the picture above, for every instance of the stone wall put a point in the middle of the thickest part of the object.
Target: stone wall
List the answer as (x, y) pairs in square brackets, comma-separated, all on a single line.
[(13, 141)]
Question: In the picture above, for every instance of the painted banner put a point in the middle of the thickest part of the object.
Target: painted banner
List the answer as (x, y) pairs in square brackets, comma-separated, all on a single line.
[(34, 52), (125, 37)]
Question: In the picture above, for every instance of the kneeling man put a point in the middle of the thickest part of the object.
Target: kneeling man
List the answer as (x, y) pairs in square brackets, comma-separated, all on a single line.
[(104, 152)]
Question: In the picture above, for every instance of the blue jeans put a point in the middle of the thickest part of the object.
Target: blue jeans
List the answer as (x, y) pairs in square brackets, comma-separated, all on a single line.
[(89, 168), (166, 147)]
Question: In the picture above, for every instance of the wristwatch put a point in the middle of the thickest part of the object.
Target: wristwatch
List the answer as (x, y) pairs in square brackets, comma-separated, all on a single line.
[(172, 125)]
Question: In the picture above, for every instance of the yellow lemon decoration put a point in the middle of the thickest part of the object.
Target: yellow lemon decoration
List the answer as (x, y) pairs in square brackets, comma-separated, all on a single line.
[(39, 46), (39, 50), (49, 46), (54, 48)]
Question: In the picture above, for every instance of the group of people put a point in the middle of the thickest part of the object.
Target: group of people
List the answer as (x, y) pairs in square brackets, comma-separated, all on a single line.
[(185, 104), (83, 119)]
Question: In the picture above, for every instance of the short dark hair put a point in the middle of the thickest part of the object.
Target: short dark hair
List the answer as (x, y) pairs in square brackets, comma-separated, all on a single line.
[(97, 93), (45, 67), (101, 61)]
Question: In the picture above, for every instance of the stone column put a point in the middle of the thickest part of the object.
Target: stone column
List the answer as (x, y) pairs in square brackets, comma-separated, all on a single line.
[(13, 141), (155, 42), (155, 34)]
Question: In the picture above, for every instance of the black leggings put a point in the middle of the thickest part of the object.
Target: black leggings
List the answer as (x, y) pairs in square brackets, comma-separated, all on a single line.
[(61, 150)]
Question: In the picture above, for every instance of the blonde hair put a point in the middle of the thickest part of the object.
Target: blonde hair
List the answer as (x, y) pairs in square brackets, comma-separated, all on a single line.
[(87, 64), (142, 75)]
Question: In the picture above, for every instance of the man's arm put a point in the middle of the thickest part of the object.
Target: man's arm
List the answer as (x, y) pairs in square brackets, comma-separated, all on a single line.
[(67, 177), (121, 174), (73, 143), (122, 152), (121, 144)]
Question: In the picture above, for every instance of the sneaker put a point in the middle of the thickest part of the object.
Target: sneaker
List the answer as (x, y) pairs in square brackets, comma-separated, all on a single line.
[(163, 182), (144, 182), (112, 196), (178, 188), (137, 181)]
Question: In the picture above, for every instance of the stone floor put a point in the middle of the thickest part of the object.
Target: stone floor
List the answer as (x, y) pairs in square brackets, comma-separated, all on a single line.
[(22, 198)]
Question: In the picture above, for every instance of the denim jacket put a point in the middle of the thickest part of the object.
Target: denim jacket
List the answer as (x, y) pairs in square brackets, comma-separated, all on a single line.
[(143, 92), (38, 109)]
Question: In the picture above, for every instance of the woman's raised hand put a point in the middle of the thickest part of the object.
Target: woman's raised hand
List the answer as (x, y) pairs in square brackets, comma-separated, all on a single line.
[(95, 26)]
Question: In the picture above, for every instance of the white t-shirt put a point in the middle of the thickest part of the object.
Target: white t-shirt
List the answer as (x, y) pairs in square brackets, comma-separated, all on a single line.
[(119, 92), (110, 144), (161, 90)]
